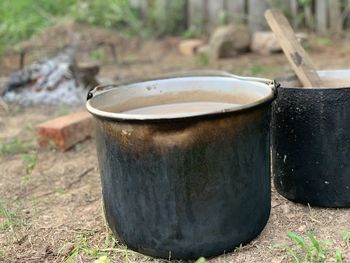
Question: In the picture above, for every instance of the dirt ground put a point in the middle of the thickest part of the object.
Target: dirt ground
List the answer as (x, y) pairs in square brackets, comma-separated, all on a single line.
[(50, 201)]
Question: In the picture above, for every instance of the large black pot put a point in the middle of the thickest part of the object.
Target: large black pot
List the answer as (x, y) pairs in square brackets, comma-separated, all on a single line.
[(185, 185), (311, 144)]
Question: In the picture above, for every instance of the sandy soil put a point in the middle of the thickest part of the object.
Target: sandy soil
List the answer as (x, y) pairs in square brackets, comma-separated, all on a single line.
[(50, 201)]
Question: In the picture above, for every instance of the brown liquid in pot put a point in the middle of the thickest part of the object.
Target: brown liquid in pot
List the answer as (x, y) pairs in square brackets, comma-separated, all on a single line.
[(185, 107)]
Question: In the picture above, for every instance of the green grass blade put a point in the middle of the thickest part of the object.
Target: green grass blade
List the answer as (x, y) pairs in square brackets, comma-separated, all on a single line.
[(297, 239), (318, 246), (339, 256), (200, 260), (294, 255)]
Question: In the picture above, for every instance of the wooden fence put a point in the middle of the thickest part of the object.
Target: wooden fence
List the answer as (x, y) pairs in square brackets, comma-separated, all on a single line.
[(323, 16)]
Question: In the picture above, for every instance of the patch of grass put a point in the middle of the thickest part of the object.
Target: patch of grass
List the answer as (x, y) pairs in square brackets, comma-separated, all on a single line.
[(103, 259), (324, 41), (190, 33), (109, 251), (117, 14), (82, 247), (20, 19), (161, 22), (9, 218), (256, 69), (202, 59), (62, 110), (312, 249), (29, 161), (346, 237), (26, 179), (29, 128), (100, 254), (263, 70), (16, 146), (98, 54)]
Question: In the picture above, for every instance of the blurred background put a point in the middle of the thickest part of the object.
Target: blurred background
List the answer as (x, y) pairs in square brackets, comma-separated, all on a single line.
[(52, 52), (115, 31)]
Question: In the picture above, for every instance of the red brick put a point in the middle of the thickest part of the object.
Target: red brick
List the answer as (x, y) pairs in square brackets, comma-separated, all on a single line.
[(66, 131)]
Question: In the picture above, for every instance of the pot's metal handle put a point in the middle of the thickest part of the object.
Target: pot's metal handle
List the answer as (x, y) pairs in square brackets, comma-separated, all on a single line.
[(205, 73)]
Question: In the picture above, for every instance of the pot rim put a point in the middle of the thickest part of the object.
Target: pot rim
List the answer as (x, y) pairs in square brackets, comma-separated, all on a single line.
[(329, 73), (306, 89), (266, 83)]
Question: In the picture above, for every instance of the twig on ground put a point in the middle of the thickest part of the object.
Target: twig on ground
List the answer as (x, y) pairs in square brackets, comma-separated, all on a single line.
[(80, 177)]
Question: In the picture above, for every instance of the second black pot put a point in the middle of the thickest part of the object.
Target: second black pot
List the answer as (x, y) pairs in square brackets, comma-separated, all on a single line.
[(311, 145)]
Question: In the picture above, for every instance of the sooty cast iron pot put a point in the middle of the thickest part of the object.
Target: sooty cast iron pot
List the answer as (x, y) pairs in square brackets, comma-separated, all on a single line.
[(190, 184), (311, 144)]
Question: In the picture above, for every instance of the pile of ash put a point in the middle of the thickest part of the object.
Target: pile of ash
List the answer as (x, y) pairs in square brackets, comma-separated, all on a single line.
[(56, 80)]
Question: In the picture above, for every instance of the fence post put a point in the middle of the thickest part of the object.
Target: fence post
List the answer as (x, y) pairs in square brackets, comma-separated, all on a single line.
[(235, 11), (346, 17), (321, 16), (294, 6), (140, 5), (335, 21), (196, 19), (309, 18), (216, 13), (256, 9)]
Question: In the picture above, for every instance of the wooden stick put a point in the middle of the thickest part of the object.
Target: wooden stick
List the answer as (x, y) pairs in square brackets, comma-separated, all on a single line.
[(295, 53)]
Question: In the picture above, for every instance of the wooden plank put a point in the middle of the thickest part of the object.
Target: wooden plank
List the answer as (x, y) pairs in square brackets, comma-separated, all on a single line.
[(295, 53), (285, 6), (321, 16), (140, 5), (309, 18), (161, 7), (335, 21), (235, 10), (136, 3), (196, 15), (294, 6), (216, 13), (346, 16), (256, 9)]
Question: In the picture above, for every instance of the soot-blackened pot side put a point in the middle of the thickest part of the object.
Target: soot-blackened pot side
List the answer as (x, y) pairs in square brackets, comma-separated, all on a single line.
[(311, 145), (186, 188)]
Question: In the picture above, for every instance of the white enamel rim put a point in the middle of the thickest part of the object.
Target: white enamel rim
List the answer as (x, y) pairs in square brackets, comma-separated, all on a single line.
[(259, 82)]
